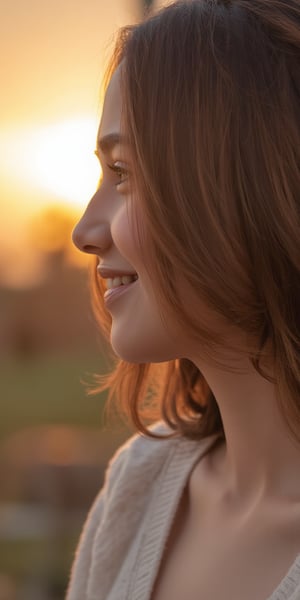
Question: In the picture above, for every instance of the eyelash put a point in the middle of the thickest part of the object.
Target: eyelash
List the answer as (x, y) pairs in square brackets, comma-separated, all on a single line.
[(119, 171)]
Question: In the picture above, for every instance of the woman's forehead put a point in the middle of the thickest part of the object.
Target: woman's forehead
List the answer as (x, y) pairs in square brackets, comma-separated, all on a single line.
[(111, 114)]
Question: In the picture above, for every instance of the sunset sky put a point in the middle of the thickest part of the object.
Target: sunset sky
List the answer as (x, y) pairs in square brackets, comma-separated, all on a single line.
[(53, 54)]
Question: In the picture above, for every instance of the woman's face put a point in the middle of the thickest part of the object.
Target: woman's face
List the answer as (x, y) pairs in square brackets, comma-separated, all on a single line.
[(138, 333)]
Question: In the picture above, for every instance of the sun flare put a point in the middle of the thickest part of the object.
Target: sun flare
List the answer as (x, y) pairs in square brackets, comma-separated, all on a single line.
[(59, 159)]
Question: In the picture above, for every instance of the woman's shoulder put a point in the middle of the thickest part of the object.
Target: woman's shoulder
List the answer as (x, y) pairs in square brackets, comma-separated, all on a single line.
[(139, 461), (140, 455), (122, 503)]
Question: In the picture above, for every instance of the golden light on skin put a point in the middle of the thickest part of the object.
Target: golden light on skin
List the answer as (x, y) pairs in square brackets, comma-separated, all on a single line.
[(57, 159)]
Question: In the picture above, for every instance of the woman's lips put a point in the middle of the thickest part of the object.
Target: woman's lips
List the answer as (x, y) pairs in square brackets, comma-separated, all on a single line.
[(115, 292)]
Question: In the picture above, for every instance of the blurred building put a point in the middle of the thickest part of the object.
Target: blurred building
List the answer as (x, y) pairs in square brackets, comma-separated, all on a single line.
[(54, 315)]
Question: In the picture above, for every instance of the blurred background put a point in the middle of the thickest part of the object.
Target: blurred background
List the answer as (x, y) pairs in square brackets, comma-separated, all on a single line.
[(54, 441)]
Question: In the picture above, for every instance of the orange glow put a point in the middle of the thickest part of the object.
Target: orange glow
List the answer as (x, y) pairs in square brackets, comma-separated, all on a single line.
[(57, 159), (55, 56)]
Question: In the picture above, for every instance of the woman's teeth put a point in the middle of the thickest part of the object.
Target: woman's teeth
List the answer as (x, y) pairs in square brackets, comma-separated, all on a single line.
[(117, 281)]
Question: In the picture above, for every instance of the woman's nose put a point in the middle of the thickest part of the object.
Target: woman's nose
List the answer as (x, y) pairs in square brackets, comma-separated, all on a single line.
[(91, 236)]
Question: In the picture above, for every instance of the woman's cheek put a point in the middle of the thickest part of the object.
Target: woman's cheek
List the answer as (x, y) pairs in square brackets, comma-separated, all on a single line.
[(123, 236)]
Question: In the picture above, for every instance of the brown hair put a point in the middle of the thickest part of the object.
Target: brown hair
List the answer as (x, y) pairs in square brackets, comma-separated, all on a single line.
[(211, 93)]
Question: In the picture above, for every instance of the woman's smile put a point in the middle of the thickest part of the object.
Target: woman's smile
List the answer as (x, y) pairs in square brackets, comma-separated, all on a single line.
[(117, 289)]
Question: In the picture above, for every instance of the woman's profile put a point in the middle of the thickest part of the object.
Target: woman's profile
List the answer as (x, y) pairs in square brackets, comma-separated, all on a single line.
[(195, 227)]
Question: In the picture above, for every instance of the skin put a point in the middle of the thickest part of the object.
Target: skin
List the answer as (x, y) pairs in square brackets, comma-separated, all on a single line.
[(257, 470), (137, 334)]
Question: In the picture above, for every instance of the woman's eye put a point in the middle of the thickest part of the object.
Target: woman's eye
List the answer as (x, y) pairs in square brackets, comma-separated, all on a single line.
[(121, 173)]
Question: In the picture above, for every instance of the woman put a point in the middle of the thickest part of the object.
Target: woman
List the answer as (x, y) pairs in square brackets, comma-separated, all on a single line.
[(195, 226)]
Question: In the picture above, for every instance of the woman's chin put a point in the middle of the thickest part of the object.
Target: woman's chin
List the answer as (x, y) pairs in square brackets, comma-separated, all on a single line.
[(138, 351)]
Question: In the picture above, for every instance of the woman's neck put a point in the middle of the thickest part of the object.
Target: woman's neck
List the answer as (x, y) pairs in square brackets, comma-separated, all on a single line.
[(260, 458)]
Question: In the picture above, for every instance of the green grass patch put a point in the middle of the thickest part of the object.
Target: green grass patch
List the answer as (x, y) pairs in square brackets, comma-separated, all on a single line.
[(49, 390), (22, 558)]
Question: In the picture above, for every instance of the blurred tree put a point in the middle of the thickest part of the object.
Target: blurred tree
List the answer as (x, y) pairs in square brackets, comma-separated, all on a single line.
[(50, 234), (51, 229), (146, 6)]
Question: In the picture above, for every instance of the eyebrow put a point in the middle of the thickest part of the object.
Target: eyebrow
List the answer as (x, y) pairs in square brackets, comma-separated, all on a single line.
[(107, 143)]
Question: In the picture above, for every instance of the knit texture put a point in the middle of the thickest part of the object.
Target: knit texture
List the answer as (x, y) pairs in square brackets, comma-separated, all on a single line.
[(122, 543)]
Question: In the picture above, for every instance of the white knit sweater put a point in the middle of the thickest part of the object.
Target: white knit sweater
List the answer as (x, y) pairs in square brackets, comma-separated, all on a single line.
[(123, 539)]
